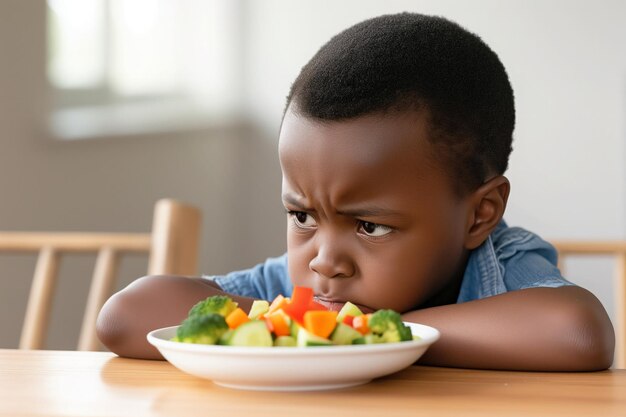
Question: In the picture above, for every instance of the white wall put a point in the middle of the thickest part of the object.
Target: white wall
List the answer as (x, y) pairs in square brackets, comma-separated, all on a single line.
[(566, 61)]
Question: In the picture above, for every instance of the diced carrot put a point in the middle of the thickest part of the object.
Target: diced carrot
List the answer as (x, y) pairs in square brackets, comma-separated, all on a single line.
[(277, 323), (278, 303), (236, 318), (360, 324), (320, 323)]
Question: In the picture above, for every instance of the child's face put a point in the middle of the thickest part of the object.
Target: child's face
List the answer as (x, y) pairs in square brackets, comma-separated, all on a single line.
[(373, 219)]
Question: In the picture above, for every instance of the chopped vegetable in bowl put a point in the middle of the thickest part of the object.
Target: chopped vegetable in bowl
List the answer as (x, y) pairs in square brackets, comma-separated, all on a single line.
[(298, 321)]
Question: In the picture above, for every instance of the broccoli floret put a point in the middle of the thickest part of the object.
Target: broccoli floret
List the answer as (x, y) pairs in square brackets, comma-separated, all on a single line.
[(206, 329), (219, 304), (387, 326)]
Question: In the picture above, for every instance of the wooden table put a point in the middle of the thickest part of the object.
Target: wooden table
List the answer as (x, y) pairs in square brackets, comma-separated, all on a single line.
[(58, 383)]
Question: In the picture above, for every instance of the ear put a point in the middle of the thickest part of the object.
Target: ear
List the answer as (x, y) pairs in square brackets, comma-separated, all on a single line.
[(486, 208)]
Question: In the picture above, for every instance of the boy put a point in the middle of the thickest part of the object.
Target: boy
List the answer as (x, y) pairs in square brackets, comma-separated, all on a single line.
[(393, 147)]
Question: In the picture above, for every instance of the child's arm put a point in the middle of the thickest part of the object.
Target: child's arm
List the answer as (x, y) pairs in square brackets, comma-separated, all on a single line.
[(539, 329), (150, 303)]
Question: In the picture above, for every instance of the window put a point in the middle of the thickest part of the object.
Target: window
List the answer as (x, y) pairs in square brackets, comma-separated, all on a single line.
[(123, 67)]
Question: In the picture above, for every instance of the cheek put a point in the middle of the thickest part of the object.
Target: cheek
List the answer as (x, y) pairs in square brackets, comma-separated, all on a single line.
[(297, 259), (397, 279), (411, 271)]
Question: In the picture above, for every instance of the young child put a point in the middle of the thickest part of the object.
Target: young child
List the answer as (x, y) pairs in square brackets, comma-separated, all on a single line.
[(393, 146)]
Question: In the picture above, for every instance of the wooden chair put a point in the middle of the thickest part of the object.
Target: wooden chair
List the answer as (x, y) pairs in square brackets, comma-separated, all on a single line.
[(172, 247), (617, 250)]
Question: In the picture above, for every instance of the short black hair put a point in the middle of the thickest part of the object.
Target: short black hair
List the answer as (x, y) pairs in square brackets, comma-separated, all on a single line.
[(412, 61)]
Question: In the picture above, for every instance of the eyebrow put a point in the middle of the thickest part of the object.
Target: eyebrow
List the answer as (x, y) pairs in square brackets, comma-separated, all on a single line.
[(295, 201), (364, 211)]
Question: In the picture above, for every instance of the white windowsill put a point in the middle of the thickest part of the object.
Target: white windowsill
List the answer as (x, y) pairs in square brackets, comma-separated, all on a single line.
[(139, 118)]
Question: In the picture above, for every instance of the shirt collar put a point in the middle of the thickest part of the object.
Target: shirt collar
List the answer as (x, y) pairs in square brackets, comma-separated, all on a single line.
[(484, 276)]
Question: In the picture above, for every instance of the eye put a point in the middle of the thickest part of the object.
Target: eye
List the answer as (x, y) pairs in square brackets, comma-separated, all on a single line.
[(374, 229), (302, 219)]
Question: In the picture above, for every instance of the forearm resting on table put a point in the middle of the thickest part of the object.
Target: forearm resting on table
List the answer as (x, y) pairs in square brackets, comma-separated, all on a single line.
[(537, 329), (150, 303)]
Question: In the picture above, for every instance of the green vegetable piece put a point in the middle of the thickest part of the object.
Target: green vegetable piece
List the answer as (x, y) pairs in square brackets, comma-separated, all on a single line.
[(348, 309), (258, 307), (306, 338), (225, 338), (206, 329), (295, 328), (387, 326), (344, 335), (368, 339), (285, 341), (252, 333), (359, 341), (219, 304)]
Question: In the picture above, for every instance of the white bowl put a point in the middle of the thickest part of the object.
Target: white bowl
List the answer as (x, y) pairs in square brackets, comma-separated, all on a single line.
[(292, 368)]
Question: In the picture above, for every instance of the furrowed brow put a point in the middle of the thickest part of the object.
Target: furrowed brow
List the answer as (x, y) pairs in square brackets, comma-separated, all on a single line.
[(365, 211), (368, 211), (295, 201)]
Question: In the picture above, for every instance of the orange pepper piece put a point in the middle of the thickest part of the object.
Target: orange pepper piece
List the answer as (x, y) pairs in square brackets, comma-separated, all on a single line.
[(320, 323), (277, 324), (302, 296)]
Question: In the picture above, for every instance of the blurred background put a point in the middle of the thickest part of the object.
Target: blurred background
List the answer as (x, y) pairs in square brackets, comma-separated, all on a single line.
[(108, 105)]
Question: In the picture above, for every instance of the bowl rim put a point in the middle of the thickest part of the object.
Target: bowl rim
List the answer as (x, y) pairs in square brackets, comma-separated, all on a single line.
[(428, 335)]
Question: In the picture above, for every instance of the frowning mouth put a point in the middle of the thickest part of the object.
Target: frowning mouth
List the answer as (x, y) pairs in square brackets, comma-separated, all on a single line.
[(335, 305)]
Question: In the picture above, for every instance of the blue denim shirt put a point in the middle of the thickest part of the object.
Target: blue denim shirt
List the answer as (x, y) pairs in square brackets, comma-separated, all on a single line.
[(510, 259)]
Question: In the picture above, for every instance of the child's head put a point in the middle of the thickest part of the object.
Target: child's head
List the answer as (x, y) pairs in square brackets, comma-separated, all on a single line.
[(393, 146)]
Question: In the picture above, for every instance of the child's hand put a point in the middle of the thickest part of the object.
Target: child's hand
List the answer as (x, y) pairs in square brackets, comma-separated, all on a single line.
[(150, 303)]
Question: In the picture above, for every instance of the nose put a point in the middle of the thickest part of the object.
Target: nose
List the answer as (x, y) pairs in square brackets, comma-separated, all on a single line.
[(332, 259)]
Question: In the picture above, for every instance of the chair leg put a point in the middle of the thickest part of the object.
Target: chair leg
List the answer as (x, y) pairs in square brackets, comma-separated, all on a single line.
[(40, 300), (101, 288), (620, 303)]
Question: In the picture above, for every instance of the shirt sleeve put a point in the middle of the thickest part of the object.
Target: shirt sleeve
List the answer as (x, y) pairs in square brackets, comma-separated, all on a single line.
[(526, 260), (264, 281)]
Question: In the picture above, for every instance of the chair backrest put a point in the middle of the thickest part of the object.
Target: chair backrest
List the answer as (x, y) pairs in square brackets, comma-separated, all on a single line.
[(617, 250), (172, 247)]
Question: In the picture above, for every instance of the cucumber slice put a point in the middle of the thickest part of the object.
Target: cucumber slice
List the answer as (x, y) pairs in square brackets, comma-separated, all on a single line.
[(344, 335), (295, 328), (252, 333), (368, 339), (285, 341), (258, 307), (306, 338), (348, 309)]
